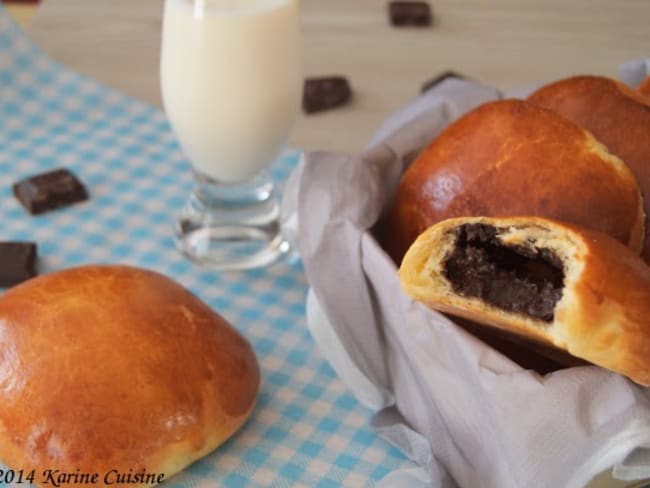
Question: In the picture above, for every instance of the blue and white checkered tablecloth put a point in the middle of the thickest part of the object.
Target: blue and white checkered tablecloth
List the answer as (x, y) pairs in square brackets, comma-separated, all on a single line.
[(307, 429)]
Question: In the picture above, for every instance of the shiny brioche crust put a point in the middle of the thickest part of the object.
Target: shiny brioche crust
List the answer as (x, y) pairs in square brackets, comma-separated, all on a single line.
[(617, 115), (602, 316), (117, 368), (511, 157)]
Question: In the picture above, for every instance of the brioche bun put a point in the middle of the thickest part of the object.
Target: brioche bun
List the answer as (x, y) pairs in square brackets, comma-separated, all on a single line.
[(511, 157), (615, 114), (558, 284), (117, 368)]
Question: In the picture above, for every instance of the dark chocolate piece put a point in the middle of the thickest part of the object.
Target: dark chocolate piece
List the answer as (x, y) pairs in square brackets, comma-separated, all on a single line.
[(324, 93), (515, 278), (439, 79), (410, 14), (17, 262), (47, 191)]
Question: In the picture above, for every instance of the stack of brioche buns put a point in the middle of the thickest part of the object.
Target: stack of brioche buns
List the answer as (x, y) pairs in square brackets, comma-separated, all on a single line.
[(530, 217)]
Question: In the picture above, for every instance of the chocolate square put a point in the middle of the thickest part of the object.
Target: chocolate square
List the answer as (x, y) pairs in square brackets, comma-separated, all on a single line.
[(17, 262), (324, 93), (439, 79), (48, 191), (410, 14)]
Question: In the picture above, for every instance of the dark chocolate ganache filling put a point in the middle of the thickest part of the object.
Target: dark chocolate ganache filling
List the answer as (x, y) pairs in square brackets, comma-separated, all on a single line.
[(514, 278)]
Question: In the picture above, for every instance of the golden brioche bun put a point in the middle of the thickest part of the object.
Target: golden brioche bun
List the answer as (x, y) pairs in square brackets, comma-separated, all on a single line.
[(616, 115), (117, 368), (511, 157), (601, 313)]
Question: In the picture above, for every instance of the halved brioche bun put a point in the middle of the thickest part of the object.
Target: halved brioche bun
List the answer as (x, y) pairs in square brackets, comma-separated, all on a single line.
[(559, 284)]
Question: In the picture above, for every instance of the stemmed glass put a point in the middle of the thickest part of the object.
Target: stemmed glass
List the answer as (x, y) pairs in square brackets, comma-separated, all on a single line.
[(231, 85)]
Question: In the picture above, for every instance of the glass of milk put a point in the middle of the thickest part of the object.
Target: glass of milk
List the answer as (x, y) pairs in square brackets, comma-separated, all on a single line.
[(231, 84)]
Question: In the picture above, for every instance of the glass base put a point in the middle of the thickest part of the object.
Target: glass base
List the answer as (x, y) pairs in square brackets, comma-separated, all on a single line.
[(227, 226)]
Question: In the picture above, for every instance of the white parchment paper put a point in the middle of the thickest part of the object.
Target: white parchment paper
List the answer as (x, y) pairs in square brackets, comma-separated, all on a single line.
[(467, 415)]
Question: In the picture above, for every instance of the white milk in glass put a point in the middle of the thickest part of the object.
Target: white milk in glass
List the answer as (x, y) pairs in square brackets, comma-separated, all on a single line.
[(231, 81)]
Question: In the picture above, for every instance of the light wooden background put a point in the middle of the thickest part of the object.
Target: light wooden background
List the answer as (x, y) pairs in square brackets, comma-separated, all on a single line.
[(507, 43)]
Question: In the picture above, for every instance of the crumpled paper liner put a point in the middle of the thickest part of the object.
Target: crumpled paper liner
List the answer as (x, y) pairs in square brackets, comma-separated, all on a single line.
[(465, 413)]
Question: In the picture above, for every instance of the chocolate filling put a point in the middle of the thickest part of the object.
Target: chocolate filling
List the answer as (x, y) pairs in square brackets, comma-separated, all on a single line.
[(515, 278)]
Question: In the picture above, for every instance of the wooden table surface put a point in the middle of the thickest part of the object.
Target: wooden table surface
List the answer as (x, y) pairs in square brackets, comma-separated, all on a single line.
[(506, 43)]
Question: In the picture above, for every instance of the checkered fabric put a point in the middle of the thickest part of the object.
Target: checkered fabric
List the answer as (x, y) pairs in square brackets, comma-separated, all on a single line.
[(307, 429)]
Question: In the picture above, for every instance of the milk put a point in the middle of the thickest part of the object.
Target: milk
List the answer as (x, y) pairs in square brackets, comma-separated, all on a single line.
[(231, 81)]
